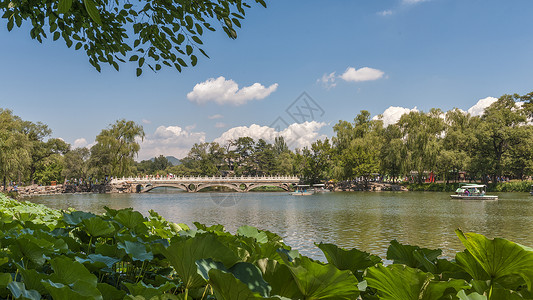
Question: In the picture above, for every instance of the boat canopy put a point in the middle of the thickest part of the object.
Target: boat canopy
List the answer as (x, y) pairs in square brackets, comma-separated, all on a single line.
[(319, 185), (473, 186)]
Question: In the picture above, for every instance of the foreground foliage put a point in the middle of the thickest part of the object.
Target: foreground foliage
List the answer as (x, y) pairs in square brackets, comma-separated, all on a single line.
[(123, 255)]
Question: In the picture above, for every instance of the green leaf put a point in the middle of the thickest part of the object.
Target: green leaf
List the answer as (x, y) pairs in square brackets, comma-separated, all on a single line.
[(109, 292), (67, 271), (400, 282), (317, 281), (250, 275), (412, 256), (93, 12), (134, 58), (78, 291), (76, 217), (147, 290), (136, 251), (184, 254), (197, 39), (57, 35), (473, 296), (64, 6), (227, 287), (97, 227), (188, 49), (499, 257), (354, 260), (18, 289), (279, 278), (194, 60), (129, 218), (252, 232), (139, 72)]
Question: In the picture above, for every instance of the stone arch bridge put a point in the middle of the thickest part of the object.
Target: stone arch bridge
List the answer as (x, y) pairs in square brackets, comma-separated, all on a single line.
[(195, 184)]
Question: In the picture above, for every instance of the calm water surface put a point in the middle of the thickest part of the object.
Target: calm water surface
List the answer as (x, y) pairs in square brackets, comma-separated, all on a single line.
[(364, 220)]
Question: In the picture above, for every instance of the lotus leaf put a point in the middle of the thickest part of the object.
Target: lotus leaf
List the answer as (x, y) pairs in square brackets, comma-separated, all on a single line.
[(252, 232), (129, 218), (204, 265), (498, 257), (76, 217), (32, 279), (136, 251), (97, 227), (184, 254), (147, 290), (227, 287), (400, 282), (67, 271), (110, 292), (473, 296), (78, 291), (18, 290), (354, 260), (279, 278), (413, 256), (319, 281)]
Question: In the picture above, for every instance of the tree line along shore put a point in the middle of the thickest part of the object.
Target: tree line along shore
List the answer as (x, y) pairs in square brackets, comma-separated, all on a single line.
[(435, 146)]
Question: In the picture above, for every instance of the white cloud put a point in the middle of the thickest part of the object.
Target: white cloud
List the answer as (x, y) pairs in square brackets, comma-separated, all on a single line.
[(170, 140), (385, 13), (328, 80), (393, 114), (220, 125), (214, 117), (224, 91), (79, 143), (363, 74), (297, 135), (479, 108), (146, 121)]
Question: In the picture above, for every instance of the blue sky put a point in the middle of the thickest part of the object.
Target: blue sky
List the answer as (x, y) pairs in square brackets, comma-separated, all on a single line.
[(423, 54)]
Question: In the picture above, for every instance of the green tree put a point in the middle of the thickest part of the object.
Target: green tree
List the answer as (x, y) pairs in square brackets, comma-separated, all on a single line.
[(15, 149), (393, 153), (158, 33), (76, 163), (115, 149), (317, 161)]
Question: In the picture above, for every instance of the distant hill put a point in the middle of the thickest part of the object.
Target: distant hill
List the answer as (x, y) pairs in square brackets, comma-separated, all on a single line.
[(174, 161)]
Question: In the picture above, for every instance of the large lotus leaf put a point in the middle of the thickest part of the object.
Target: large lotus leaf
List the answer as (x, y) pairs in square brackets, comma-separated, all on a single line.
[(110, 250), (212, 228), (32, 279), (97, 227), (472, 296), (279, 278), (5, 280), (136, 251), (468, 262), (67, 271), (318, 281), (444, 289), (250, 275), (184, 254), (354, 260), (78, 290), (205, 265), (288, 255), (405, 254), (499, 257), (128, 218), (76, 217), (397, 282), (227, 287), (97, 262), (450, 269), (147, 290), (23, 248), (252, 232), (505, 294), (111, 212), (109, 292), (19, 291)]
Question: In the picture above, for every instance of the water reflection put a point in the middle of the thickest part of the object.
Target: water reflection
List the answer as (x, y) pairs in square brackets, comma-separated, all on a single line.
[(367, 221)]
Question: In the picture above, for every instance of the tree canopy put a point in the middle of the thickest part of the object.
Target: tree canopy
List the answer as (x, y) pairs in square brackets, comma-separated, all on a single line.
[(148, 33)]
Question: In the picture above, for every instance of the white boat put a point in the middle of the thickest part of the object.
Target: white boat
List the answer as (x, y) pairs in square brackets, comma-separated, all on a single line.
[(473, 192), (320, 188), (302, 190)]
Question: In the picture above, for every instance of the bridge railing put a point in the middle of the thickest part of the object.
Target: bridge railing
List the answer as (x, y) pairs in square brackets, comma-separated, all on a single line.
[(206, 178)]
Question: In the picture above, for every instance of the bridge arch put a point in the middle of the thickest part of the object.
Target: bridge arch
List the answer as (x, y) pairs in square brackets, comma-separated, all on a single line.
[(150, 187), (235, 187)]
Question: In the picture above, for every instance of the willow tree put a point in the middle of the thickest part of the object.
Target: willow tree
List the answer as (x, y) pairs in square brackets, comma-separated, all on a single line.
[(14, 147), (115, 149), (148, 33)]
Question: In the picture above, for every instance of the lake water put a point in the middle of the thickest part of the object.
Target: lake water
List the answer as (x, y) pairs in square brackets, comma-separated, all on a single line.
[(364, 220)]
